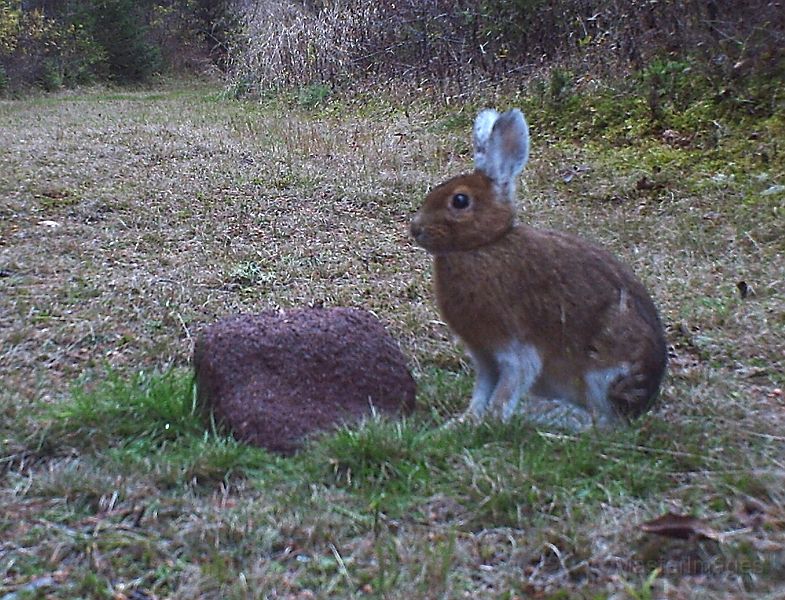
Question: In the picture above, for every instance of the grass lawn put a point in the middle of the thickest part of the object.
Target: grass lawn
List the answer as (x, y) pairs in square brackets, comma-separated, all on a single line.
[(130, 220)]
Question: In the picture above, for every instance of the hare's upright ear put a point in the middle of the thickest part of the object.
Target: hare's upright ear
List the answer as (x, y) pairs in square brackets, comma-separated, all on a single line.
[(501, 147)]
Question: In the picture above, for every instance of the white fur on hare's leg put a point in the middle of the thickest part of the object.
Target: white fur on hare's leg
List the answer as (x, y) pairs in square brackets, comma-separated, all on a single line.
[(519, 366), (486, 382), (486, 373), (486, 376), (502, 379)]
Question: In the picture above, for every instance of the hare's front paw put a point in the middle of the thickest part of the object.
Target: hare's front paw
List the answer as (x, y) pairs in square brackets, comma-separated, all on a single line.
[(503, 411), (466, 417)]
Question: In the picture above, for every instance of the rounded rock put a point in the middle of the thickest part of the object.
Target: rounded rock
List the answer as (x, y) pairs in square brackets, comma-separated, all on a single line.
[(276, 378)]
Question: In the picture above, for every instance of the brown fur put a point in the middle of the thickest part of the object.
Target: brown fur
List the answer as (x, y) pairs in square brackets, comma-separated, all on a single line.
[(498, 282)]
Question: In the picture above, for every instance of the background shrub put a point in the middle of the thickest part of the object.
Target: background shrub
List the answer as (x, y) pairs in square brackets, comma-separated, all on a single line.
[(426, 44), (54, 43), (344, 43), (120, 28)]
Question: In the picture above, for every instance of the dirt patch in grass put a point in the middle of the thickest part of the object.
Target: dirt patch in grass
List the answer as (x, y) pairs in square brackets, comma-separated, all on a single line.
[(128, 222)]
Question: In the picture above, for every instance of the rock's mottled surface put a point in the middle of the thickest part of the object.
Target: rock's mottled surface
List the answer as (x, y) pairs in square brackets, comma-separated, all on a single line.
[(277, 377)]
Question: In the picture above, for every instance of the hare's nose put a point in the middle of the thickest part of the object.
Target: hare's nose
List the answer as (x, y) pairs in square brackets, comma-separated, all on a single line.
[(415, 227)]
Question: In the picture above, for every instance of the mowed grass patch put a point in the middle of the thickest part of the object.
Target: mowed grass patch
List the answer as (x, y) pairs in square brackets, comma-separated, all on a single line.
[(503, 472), (509, 475), (151, 418), (149, 422), (346, 502)]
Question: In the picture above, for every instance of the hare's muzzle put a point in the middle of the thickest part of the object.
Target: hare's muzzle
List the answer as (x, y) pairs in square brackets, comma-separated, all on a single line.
[(416, 229)]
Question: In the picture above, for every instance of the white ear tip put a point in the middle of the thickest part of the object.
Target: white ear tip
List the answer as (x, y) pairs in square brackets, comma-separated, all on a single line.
[(483, 124), (501, 146), (515, 116), (518, 115)]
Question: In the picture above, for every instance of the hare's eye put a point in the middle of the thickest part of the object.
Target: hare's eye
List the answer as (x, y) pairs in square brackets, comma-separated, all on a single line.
[(460, 201)]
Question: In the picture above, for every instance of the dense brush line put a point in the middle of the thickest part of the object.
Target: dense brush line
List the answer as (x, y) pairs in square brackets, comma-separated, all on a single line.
[(286, 43)]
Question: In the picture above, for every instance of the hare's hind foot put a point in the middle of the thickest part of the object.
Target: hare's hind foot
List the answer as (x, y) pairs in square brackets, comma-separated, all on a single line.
[(599, 386), (544, 413), (618, 394), (550, 413)]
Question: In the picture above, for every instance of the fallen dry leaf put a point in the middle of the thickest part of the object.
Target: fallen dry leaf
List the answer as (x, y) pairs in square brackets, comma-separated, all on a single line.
[(682, 527)]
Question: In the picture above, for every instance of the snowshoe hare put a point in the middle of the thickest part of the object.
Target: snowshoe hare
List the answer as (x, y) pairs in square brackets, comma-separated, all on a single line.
[(546, 316)]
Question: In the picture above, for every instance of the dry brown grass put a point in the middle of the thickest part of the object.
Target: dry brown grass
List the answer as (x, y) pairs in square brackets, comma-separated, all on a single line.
[(129, 221)]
